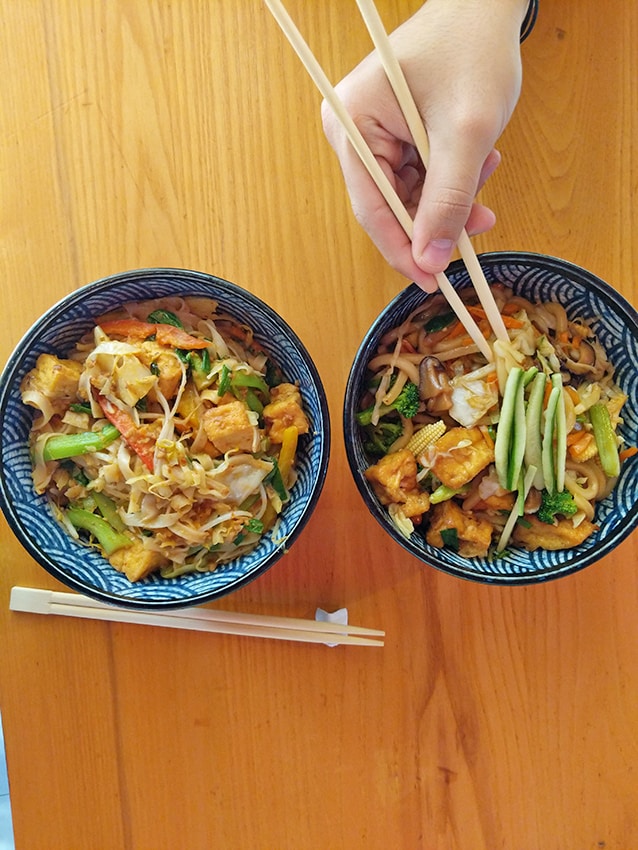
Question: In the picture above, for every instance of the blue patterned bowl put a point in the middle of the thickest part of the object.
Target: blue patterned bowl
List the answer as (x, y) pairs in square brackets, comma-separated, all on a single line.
[(84, 569), (615, 322)]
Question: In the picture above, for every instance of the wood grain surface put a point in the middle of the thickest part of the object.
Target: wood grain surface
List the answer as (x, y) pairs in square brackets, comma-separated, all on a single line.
[(184, 133)]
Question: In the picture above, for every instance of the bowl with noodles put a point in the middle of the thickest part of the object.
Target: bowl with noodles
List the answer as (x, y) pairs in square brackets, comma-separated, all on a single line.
[(512, 468), (165, 438)]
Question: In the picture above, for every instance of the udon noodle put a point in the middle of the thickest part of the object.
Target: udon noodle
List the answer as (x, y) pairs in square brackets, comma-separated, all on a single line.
[(167, 438), (480, 456)]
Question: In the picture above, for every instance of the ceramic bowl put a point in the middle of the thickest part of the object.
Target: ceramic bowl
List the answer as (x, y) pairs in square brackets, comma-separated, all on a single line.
[(615, 322), (84, 569)]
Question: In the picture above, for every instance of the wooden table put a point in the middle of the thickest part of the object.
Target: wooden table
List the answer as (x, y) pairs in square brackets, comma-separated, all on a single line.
[(187, 134)]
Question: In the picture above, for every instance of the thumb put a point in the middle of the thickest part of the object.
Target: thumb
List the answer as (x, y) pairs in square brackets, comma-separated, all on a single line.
[(451, 183)]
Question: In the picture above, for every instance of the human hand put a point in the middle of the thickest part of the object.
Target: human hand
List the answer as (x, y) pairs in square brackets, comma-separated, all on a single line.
[(461, 59)]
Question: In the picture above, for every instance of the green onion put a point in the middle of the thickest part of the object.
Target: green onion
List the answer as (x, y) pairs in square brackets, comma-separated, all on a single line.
[(164, 317), (80, 408), (60, 446), (605, 437), (274, 478), (224, 381), (437, 323), (109, 539)]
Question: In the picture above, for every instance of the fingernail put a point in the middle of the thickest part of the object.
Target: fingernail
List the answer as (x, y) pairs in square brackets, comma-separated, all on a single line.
[(436, 254)]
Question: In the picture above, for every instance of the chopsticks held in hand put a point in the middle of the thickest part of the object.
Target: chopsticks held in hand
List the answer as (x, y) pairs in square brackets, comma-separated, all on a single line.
[(399, 84), (37, 601), (404, 97)]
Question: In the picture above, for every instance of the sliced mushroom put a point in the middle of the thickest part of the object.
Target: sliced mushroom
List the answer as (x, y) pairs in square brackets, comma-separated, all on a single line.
[(584, 361), (434, 385)]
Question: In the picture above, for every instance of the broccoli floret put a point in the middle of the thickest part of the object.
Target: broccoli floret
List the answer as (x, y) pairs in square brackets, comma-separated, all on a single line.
[(378, 438), (556, 503), (406, 403)]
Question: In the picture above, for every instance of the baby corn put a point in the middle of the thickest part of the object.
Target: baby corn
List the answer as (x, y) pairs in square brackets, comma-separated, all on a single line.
[(425, 437)]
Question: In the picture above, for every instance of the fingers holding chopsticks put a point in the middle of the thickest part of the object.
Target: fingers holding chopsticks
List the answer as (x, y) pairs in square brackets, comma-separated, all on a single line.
[(462, 61)]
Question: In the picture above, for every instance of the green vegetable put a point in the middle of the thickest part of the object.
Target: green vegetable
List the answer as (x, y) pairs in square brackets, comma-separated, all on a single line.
[(406, 404), (506, 453), (517, 451), (255, 526), (378, 438), (75, 472), (533, 420), (560, 434), (548, 455), (80, 408), (108, 509), (60, 446), (274, 478), (224, 381), (443, 493), (450, 538), (605, 437), (559, 502), (164, 317), (437, 323), (109, 539), (240, 380), (529, 375), (273, 374)]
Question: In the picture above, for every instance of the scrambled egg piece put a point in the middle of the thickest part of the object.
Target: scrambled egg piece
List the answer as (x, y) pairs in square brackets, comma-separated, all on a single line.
[(284, 411), (135, 561), (394, 481), (474, 535), (560, 535), (229, 426), (459, 455), (55, 378)]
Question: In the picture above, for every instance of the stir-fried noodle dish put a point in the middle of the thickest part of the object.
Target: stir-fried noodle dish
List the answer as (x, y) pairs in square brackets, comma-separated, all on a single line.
[(481, 455), (167, 438)]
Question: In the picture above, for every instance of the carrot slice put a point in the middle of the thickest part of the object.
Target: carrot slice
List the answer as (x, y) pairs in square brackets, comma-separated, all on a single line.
[(170, 335), (137, 441), (165, 334), (131, 328)]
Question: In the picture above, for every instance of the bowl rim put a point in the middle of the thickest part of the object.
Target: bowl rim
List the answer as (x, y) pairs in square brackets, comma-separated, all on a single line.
[(21, 352), (580, 560)]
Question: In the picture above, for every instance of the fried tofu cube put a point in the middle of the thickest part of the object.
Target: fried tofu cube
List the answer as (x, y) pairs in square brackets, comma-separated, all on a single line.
[(474, 535), (559, 535), (136, 561), (229, 426), (459, 455), (393, 479), (55, 378), (284, 411), (167, 367)]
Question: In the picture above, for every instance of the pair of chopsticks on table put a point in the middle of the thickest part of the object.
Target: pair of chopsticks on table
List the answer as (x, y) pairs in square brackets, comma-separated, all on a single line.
[(410, 111), (39, 601)]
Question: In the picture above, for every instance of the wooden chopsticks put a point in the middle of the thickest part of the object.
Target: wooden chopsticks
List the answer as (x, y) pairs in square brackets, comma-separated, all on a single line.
[(406, 102), (39, 601), (399, 84)]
